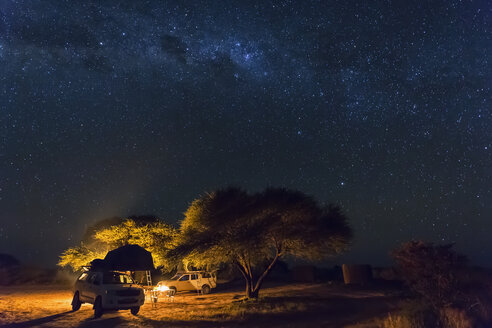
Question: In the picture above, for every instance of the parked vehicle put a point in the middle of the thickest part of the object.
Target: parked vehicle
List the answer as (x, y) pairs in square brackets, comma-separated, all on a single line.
[(107, 290), (189, 281)]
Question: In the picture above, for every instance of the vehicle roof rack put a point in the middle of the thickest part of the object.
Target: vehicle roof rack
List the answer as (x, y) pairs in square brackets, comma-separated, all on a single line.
[(195, 271)]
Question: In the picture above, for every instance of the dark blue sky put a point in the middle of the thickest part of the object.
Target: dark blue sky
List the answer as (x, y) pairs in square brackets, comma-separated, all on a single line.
[(116, 108)]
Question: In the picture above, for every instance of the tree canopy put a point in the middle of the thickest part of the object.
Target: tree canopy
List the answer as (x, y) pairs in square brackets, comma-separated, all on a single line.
[(154, 235), (252, 231)]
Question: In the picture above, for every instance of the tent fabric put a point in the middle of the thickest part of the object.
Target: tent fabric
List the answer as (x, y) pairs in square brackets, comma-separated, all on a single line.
[(98, 264), (129, 258)]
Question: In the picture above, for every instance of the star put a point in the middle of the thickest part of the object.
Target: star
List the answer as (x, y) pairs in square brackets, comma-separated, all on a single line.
[(118, 110)]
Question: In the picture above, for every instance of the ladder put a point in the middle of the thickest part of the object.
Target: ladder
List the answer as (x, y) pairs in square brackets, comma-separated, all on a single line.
[(150, 289), (149, 278)]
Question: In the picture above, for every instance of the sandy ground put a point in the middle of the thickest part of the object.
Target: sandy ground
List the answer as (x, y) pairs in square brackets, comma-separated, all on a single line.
[(299, 305)]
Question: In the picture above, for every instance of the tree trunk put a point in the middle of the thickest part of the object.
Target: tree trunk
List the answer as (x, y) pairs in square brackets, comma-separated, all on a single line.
[(256, 290), (252, 289), (248, 288), (247, 279)]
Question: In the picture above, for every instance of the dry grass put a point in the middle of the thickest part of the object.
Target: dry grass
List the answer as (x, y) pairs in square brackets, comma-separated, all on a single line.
[(456, 318), (30, 302), (396, 321), (297, 305)]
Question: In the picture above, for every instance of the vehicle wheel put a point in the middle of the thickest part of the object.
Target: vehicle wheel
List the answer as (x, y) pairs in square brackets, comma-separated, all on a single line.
[(98, 308), (205, 289), (134, 310), (173, 290), (76, 303)]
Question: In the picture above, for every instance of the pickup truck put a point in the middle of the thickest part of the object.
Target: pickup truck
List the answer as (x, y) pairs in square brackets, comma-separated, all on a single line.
[(107, 290), (189, 281)]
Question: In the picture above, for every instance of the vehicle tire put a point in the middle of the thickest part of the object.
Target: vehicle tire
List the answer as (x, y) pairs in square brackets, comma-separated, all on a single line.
[(174, 290), (134, 310), (205, 289), (76, 303), (98, 308)]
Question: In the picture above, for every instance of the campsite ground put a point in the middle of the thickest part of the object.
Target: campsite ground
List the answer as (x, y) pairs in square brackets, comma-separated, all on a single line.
[(287, 305)]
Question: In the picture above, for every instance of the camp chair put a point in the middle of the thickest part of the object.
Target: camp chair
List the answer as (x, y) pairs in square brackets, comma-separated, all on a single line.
[(170, 295)]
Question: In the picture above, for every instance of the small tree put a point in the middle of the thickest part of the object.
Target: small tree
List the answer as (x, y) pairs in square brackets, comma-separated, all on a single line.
[(231, 226), (155, 236), (430, 271)]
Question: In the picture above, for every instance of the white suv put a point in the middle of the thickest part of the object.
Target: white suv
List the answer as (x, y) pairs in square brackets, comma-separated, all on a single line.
[(107, 290), (189, 281)]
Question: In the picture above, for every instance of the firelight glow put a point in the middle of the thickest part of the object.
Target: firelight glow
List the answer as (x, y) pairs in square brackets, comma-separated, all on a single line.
[(161, 288)]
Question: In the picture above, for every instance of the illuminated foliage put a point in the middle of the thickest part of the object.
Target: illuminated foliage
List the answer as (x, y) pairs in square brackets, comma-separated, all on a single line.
[(156, 237), (77, 257), (253, 232)]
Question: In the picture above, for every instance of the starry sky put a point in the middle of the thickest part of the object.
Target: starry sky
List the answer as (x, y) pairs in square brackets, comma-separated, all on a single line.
[(115, 108)]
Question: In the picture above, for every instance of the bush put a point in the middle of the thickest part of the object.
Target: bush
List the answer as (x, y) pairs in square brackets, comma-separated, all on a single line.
[(419, 314), (412, 314), (396, 321), (477, 294), (457, 295), (431, 271), (8, 261), (456, 318)]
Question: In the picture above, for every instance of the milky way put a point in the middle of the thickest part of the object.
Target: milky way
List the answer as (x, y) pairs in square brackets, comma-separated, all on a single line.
[(116, 108)]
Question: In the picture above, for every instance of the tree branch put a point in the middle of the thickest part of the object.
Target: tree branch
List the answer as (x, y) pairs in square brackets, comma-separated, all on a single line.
[(241, 269), (244, 264), (249, 268), (266, 272), (249, 282)]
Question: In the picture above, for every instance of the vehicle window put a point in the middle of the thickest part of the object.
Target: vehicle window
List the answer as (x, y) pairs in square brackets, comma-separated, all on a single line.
[(91, 277), (115, 278), (184, 278), (96, 280), (206, 275), (194, 277), (83, 276)]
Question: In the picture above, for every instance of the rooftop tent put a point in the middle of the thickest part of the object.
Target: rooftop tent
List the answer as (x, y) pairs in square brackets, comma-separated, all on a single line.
[(97, 264), (129, 258)]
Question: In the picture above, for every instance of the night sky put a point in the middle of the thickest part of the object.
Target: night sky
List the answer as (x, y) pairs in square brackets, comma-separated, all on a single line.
[(114, 108)]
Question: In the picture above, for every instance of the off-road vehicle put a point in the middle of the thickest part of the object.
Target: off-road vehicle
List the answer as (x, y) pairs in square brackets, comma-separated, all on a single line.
[(189, 281), (107, 290)]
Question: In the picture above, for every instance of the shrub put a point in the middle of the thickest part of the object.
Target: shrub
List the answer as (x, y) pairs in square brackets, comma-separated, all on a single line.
[(431, 271), (419, 314), (456, 318), (412, 314), (396, 321), (457, 295)]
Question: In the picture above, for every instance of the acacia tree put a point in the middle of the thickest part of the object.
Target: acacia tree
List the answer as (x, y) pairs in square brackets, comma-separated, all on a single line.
[(78, 256), (156, 236), (232, 226)]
